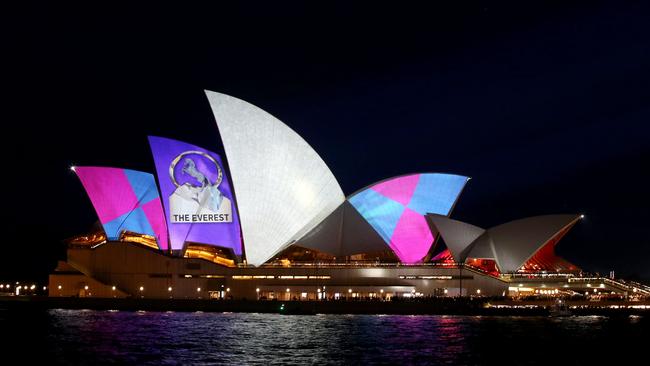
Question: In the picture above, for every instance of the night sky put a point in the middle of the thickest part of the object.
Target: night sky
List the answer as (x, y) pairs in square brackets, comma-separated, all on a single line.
[(546, 105)]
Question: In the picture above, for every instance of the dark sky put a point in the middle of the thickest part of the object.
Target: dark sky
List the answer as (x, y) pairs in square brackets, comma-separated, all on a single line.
[(546, 105)]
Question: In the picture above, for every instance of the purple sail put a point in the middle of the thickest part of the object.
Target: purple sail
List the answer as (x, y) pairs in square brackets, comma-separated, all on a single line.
[(198, 200), (125, 200)]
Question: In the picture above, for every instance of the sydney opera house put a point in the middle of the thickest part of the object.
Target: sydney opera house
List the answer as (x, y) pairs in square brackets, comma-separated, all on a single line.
[(276, 225)]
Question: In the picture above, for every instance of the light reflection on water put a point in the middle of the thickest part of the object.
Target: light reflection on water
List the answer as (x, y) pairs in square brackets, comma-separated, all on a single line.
[(153, 338)]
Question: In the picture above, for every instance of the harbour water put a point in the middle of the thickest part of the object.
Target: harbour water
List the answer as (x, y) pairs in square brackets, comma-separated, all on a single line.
[(90, 337)]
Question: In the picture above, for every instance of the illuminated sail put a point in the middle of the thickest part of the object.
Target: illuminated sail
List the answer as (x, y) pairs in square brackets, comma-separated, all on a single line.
[(125, 200), (396, 209), (283, 187), (198, 201)]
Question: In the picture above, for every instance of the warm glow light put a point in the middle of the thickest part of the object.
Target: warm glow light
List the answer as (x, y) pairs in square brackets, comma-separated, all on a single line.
[(141, 288), (228, 289), (582, 216), (478, 291), (288, 290), (169, 289), (73, 168), (44, 288), (198, 289), (86, 287), (33, 287), (382, 290), (59, 287), (257, 290), (446, 291), (349, 290), (318, 290), (113, 288)]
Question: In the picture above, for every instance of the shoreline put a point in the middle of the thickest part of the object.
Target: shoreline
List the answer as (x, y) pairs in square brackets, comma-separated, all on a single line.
[(429, 307)]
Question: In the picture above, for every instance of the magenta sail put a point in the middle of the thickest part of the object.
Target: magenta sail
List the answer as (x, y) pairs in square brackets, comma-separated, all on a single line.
[(125, 200)]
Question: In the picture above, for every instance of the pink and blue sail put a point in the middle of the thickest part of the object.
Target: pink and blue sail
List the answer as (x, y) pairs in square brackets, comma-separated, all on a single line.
[(396, 209), (125, 200)]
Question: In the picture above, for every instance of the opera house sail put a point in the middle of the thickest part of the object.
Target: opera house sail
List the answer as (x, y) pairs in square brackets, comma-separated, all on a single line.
[(283, 187), (510, 245), (199, 204), (388, 215), (125, 200)]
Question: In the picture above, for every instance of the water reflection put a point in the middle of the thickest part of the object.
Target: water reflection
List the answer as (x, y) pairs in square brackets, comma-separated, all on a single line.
[(148, 338)]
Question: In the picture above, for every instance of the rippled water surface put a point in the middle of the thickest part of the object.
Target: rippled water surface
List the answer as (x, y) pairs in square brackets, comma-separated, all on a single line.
[(153, 338)]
